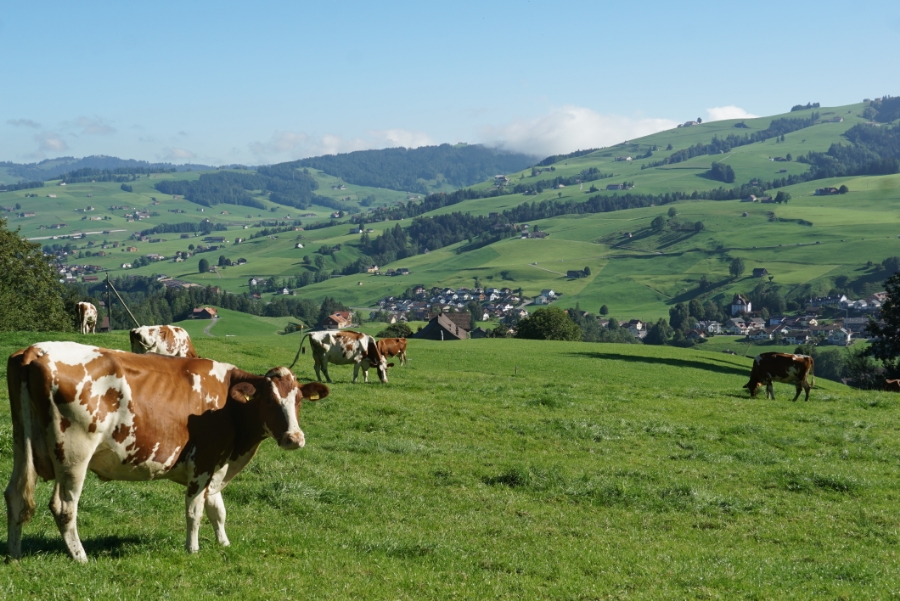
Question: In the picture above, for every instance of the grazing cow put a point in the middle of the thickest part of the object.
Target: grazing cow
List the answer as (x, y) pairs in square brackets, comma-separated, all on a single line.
[(197, 422), (781, 367), (343, 348), (165, 340), (87, 318), (892, 385), (390, 347)]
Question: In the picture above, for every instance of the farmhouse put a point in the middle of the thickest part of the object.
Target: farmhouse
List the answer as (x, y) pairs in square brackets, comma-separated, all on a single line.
[(441, 327), (827, 191), (204, 313), (339, 319), (759, 272)]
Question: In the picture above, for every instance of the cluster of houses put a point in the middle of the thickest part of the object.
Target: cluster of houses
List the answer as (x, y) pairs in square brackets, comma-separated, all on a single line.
[(802, 329), (496, 303), (69, 274)]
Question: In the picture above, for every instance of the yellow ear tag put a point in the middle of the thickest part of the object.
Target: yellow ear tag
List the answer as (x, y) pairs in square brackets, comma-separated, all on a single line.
[(314, 397)]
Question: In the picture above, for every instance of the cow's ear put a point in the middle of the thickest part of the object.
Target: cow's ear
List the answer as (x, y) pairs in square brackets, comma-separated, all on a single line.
[(242, 392), (390, 365), (314, 391)]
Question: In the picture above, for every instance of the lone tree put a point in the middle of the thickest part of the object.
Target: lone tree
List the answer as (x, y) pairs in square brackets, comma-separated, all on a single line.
[(549, 324), (587, 271), (604, 310), (886, 344), (737, 268), (204, 266), (31, 298), (658, 224), (673, 212)]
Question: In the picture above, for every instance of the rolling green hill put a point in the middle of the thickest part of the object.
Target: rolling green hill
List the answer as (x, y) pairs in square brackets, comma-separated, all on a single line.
[(807, 244)]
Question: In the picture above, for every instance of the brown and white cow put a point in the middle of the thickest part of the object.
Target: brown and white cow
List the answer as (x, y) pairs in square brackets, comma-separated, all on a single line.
[(391, 347), (197, 422), (343, 347), (165, 340), (87, 318), (781, 367)]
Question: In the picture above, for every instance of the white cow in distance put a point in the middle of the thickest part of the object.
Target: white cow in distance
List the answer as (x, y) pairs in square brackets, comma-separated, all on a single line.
[(345, 348), (87, 318), (165, 340)]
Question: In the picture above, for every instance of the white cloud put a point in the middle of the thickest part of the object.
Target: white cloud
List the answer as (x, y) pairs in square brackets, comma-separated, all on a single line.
[(24, 123), (177, 154), (721, 113), (401, 137), (297, 145), (94, 127), (51, 142), (570, 128)]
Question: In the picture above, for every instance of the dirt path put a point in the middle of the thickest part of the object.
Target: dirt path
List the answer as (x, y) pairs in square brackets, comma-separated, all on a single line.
[(212, 323)]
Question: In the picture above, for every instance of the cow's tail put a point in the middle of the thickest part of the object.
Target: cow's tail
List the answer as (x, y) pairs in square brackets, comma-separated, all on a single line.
[(299, 350), (20, 491)]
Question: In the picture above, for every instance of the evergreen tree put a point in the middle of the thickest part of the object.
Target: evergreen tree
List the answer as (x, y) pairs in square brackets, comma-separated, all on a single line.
[(203, 266)]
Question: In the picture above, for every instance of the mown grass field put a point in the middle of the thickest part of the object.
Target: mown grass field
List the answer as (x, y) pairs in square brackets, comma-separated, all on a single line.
[(512, 469)]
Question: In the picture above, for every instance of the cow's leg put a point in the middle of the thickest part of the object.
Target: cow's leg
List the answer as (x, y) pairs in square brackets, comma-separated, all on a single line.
[(194, 513), (19, 500), (195, 496), (64, 506), (215, 511), (317, 363), (770, 390), (807, 386), (403, 358), (325, 370)]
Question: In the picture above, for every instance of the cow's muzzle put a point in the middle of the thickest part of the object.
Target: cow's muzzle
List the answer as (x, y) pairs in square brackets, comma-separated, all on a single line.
[(292, 440)]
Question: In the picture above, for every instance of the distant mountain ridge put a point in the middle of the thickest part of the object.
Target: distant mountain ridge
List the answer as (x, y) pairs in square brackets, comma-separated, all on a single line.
[(408, 169), (54, 168)]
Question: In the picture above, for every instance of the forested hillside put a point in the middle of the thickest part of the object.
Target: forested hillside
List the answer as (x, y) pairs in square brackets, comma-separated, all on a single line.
[(406, 168), (280, 184)]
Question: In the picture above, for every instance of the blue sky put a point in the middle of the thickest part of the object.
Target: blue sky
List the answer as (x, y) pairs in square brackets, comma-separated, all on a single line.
[(264, 82)]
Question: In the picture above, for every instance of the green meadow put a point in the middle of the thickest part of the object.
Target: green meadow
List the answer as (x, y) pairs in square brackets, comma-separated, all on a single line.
[(511, 469)]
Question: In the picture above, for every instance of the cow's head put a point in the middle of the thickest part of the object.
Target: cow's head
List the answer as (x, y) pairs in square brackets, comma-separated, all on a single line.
[(753, 386), (378, 360), (278, 402)]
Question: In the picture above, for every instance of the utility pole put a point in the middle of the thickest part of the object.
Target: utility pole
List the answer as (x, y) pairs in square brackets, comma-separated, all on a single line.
[(108, 304)]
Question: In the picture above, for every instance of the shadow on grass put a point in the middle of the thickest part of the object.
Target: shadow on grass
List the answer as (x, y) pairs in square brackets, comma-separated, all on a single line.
[(109, 546), (724, 369)]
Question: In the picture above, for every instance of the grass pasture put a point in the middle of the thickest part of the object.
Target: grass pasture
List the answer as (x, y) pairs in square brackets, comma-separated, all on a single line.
[(512, 469)]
